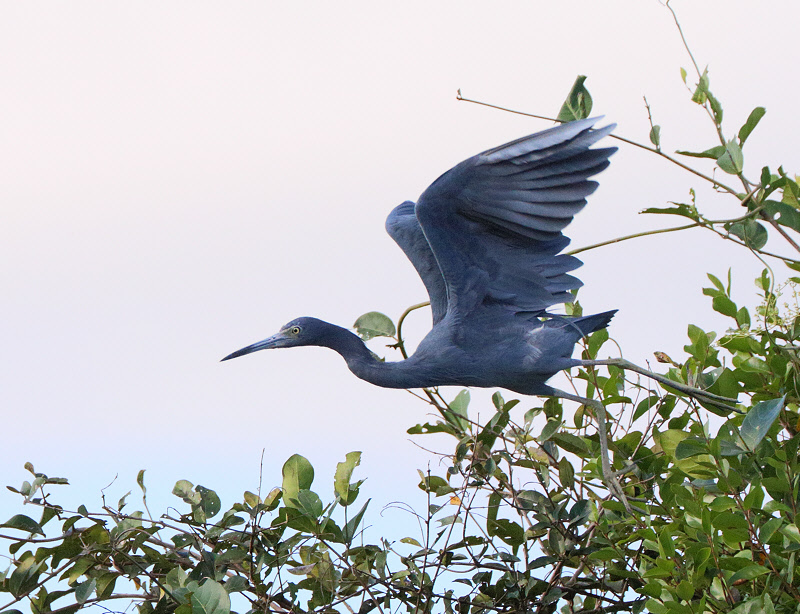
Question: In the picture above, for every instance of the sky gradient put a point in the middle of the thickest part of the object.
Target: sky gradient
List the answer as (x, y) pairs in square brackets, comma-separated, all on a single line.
[(180, 179)]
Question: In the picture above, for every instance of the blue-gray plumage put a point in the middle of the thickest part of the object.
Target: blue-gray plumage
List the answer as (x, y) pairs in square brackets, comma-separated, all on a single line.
[(486, 239)]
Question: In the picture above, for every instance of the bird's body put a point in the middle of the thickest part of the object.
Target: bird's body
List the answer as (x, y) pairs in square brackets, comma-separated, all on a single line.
[(520, 357), (486, 238)]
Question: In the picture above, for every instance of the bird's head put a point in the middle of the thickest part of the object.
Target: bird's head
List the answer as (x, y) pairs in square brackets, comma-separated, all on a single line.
[(301, 331)]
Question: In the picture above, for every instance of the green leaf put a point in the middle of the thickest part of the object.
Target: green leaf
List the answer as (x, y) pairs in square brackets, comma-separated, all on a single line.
[(685, 590), (273, 499), (791, 192), (84, 590), (717, 283), (792, 532), (211, 598), (766, 179), (24, 576), (751, 232), (252, 499), (78, 569), (680, 209), (23, 523), (666, 544), (725, 384), (236, 584), (351, 528), (716, 107), (669, 440), (748, 573), (700, 91), (571, 443), (374, 324), (435, 484), (722, 304), (651, 589), (580, 512), (176, 578), (121, 503), (448, 520), (655, 136), (690, 447), (644, 406), (298, 474), (497, 400), (729, 520), (768, 529), (428, 429), (566, 473), (510, 532), (459, 410), (309, 503), (209, 500), (752, 121), (755, 498), (596, 341), (578, 104), (656, 607), (732, 161), (549, 430), (699, 348), (491, 516), (743, 318), (713, 153), (341, 481), (493, 429), (604, 554), (302, 570), (784, 214), (185, 490), (758, 421)]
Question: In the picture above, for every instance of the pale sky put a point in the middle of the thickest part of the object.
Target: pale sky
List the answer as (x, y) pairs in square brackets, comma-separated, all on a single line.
[(179, 179)]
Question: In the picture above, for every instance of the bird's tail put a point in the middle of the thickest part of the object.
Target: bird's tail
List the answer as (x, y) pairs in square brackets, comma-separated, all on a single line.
[(589, 324)]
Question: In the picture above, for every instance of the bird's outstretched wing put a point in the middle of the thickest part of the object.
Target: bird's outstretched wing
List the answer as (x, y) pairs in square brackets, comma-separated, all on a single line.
[(403, 227), (494, 222)]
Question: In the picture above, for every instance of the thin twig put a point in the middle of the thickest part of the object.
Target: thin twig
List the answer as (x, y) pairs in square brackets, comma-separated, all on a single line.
[(400, 343), (634, 236), (683, 38), (685, 167)]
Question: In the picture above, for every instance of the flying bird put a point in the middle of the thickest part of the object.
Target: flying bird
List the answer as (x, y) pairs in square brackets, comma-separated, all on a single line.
[(486, 239)]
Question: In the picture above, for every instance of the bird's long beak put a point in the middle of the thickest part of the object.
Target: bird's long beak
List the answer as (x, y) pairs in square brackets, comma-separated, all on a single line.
[(275, 341)]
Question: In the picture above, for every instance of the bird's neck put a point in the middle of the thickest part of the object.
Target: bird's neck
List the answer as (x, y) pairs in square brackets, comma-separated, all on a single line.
[(364, 364)]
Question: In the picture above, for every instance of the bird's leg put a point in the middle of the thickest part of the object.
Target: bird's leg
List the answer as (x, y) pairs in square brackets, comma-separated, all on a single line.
[(701, 395), (609, 477)]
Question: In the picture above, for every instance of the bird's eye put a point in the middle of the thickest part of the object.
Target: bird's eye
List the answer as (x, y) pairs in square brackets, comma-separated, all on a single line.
[(295, 330)]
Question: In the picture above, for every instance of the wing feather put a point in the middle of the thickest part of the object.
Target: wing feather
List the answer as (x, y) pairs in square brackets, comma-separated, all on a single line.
[(403, 227), (493, 223)]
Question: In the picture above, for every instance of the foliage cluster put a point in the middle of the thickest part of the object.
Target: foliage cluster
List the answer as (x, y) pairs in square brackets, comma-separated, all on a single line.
[(519, 518)]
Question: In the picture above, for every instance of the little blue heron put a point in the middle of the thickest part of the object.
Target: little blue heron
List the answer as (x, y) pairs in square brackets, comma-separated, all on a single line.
[(486, 240)]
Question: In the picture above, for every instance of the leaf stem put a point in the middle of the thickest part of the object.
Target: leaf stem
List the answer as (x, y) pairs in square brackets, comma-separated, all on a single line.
[(400, 344)]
